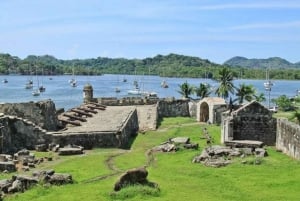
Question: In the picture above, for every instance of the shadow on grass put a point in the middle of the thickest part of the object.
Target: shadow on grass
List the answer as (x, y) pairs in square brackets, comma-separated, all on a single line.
[(159, 120), (148, 189), (130, 142)]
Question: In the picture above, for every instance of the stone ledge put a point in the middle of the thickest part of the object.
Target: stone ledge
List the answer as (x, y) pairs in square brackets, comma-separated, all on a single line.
[(244, 143)]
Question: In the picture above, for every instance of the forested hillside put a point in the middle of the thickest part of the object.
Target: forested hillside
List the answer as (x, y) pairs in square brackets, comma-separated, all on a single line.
[(172, 65), (273, 62)]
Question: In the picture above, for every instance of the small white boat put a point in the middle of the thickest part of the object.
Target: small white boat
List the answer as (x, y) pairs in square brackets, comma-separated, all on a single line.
[(135, 92), (4, 81), (42, 89), (164, 84), (29, 84), (36, 92), (73, 82), (117, 90), (268, 84)]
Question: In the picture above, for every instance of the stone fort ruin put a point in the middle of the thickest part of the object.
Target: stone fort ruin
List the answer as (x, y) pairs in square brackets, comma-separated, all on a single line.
[(112, 122)]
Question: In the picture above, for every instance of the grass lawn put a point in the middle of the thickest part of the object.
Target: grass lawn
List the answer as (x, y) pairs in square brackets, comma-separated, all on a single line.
[(277, 178)]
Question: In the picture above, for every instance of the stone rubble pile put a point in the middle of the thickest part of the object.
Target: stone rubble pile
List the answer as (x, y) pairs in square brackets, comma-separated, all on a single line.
[(218, 156), (173, 144), (20, 183), (22, 160)]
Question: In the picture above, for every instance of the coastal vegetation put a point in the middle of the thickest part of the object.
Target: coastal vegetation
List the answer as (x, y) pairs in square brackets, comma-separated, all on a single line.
[(95, 172), (171, 65), (226, 89)]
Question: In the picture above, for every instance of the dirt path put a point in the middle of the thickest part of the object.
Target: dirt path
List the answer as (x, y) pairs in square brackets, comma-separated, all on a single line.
[(111, 166), (149, 154)]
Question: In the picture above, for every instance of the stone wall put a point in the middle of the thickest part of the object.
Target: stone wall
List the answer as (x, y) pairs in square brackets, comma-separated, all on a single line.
[(42, 113), (193, 108), (17, 133), (288, 138), (120, 138), (174, 108), (167, 107)]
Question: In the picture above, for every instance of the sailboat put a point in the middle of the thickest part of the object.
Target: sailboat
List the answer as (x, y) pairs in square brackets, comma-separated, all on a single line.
[(36, 92), (164, 84), (136, 90), (41, 87), (117, 89), (29, 82), (73, 81), (268, 84)]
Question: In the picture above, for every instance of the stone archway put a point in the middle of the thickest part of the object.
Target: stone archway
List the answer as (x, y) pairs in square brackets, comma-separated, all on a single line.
[(204, 112)]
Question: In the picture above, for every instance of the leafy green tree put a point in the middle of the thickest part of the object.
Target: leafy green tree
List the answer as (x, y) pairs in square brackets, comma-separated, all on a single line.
[(245, 92), (225, 77), (186, 89), (203, 90), (283, 103)]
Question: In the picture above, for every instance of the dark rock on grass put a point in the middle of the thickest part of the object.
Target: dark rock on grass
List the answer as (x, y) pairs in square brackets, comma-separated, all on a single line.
[(134, 176)]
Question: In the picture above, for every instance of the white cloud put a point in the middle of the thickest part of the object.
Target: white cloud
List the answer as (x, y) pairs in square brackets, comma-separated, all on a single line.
[(257, 5), (281, 25)]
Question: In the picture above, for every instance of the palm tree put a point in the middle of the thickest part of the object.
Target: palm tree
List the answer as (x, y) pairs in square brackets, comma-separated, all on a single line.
[(185, 89), (203, 90), (260, 97), (226, 86), (245, 92)]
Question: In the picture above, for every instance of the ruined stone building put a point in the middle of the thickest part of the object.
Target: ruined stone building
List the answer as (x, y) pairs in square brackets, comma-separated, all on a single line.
[(209, 110), (251, 121)]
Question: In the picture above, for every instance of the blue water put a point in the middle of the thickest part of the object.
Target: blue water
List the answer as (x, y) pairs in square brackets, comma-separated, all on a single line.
[(64, 96)]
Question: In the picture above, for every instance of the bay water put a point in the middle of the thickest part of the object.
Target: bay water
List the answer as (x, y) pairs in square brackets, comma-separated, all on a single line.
[(65, 96)]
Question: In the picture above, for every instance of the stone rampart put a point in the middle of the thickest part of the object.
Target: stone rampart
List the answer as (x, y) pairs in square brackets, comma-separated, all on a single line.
[(288, 138), (90, 139), (42, 113), (125, 101), (17, 133)]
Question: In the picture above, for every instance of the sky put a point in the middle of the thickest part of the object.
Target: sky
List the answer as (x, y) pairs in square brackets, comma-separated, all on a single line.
[(216, 30)]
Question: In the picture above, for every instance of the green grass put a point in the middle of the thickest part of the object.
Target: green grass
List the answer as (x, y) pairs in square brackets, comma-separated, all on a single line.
[(95, 173), (281, 114)]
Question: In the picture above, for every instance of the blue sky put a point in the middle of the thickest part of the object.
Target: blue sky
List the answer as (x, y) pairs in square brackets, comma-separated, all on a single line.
[(210, 29)]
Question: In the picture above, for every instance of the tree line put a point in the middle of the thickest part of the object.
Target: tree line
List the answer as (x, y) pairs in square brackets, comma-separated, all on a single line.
[(172, 65)]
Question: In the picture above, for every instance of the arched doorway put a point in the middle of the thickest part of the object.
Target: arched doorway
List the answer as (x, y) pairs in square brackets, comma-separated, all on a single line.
[(204, 112)]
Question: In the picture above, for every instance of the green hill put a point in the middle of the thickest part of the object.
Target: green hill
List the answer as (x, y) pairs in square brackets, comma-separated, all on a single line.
[(273, 62), (169, 65)]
